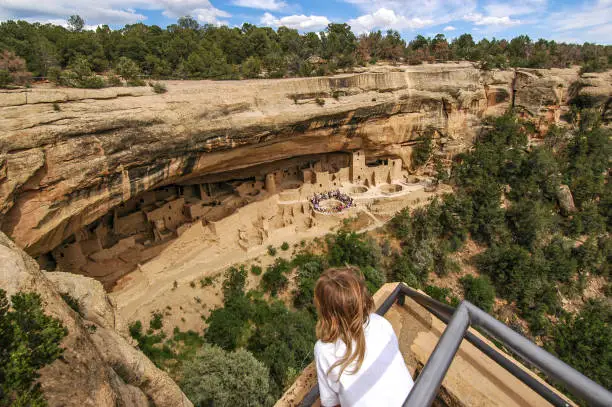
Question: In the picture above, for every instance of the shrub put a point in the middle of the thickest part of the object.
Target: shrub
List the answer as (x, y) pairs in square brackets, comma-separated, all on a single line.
[(56, 107), (256, 270), (350, 248), (114, 80), (438, 293), (584, 341), (71, 301), (422, 151), (235, 282), (229, 327), (13, 70), (251, 67), (271, 250), (29, 340), (274, 279), (158, 87), (479, 291), (285, 246), (129, 71), (157, 320), (320, 101), (374, 279), (225, 379)]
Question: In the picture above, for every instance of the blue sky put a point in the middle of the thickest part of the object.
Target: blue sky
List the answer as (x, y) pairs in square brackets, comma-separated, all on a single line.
[(561, 20)]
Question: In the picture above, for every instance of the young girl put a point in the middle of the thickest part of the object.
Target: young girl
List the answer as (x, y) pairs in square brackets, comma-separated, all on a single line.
[(357, 355)]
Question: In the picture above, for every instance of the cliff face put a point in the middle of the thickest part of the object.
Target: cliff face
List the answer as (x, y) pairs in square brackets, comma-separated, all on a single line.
[(99, 367), (68, 156)]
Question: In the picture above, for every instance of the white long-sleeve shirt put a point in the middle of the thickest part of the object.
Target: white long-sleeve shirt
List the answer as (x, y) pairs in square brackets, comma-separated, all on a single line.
[(382, 380)]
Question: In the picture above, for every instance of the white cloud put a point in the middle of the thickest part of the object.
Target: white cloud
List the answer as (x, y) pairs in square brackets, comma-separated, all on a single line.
[(108, 11), (491, 21), (201, 10), (449, 28), (384, 18), (515, 8), (261, 4), (299, 22), (588, 22), (439, 11)]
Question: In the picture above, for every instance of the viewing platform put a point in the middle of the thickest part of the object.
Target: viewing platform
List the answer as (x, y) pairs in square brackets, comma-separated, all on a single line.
[(480, 374)]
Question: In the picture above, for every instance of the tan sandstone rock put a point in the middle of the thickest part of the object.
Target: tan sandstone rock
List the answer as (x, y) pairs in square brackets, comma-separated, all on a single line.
[(61, 170), (88, 372)]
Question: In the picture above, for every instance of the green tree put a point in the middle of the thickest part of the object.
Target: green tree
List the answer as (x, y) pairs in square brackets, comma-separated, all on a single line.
[(479, 291), (129, 71), (235, 282), (215, 377), (76, 23), (251, 67), (274, 280), (584, 341), (29, 340)]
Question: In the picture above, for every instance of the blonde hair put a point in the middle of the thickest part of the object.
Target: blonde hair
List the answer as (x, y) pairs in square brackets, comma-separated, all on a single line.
[(343, 306)]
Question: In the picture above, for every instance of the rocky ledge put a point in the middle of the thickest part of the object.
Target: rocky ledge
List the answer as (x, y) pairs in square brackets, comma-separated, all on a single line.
[(68, 156)]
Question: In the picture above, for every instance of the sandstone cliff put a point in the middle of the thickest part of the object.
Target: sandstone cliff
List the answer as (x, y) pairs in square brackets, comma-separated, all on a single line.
[(61, 169), (99, 367)]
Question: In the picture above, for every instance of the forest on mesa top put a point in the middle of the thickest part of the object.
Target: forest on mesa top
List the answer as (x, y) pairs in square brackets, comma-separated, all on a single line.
[(185, 50)]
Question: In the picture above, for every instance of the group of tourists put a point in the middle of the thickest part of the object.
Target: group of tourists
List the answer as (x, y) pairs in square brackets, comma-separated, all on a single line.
[(344, 201)]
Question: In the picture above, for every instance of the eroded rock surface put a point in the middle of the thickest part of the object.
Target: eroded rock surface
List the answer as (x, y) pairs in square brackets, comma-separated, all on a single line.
[(62, 170), (99, 367)]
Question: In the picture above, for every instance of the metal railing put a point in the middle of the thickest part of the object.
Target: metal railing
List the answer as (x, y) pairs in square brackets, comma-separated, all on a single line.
[(458, 323)]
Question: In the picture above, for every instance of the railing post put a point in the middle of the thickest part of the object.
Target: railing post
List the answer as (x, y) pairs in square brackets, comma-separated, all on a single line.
[(429, 380)]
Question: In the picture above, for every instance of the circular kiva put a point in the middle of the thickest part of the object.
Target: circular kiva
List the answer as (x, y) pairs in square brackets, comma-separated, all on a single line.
[(390, 189), (331, 202), (359, 189), (331, 205)]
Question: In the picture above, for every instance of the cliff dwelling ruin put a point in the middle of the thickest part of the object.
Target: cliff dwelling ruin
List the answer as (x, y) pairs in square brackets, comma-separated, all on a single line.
[(243, 206)]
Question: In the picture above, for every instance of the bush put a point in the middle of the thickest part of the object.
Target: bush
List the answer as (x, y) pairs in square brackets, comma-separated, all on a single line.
[(320, 101), (584, 341), (29, 340), (235, 282), (271, 250), (350, 248), (157, 321), (129, 71), (438, 293), (13, 70), (374, 279), (256, 270), (274, 279), (71, 301), (158, 87), (479, 291), (422, 151), (251, 67), (225, 379), (285, 246), (114, 81), (228, 327)]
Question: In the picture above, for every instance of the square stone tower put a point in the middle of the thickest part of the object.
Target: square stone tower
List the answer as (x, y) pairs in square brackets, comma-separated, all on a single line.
[(358, 173)]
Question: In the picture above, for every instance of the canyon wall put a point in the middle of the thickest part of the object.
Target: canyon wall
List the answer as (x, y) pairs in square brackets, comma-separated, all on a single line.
[(99, 366), (68, 156)]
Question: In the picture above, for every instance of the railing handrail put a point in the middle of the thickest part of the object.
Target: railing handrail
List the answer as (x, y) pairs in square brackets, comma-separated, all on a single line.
[(458, 323)]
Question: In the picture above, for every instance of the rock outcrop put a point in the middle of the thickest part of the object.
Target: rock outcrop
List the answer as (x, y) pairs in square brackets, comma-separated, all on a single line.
[(99, 367), (62, 170)]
